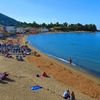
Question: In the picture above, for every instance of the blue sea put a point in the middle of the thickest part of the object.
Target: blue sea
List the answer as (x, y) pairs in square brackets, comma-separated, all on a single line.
[(83, 48)]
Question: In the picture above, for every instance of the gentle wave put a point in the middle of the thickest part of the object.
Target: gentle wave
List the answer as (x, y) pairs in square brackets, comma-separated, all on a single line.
[(61, 59), (76, 65)]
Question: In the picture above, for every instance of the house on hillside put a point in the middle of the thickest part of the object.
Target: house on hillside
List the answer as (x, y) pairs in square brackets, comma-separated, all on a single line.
[(31, 30), (20, 30), (27, 29), (10, 29), (44, 29), (34, 30)]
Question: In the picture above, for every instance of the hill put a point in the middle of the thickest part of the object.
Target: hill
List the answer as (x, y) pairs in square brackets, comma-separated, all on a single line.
[(7, 21)]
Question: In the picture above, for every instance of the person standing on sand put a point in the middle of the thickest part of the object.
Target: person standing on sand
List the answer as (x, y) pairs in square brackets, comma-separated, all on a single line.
[(70, 61), (73, 96)]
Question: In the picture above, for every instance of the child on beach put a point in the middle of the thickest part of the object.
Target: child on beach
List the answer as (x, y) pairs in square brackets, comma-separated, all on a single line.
[(73, 96)]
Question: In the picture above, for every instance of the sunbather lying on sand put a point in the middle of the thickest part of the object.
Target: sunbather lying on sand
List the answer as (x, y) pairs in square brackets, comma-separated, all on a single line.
[(3, 75)]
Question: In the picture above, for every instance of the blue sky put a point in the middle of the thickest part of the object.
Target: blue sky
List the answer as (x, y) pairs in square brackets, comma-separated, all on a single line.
[(71, 11)]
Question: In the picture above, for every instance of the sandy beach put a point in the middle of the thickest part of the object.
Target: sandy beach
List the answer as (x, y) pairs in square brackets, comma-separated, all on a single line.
[(22, 75)]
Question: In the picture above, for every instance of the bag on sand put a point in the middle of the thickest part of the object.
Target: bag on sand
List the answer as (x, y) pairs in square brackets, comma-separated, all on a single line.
[(37, 87)]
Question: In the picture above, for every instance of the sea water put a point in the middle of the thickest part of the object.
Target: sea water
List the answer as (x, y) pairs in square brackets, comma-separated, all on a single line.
[(82, 47)]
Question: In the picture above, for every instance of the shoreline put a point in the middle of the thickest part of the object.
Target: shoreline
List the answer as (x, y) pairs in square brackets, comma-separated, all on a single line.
[(73, 65), (70, 32), (85, 82), (65, 62)]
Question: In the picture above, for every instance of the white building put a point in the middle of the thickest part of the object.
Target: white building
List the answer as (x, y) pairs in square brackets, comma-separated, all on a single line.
[(44, 30), (20, 30), (10, 29)]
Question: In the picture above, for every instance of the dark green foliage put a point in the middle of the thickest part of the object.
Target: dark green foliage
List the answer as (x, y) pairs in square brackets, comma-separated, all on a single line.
[(7, 21), (34, 24), (63, 27)]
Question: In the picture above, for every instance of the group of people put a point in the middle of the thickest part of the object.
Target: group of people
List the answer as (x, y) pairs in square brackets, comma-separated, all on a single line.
[(69, 96), (9, 49), (44, 74)]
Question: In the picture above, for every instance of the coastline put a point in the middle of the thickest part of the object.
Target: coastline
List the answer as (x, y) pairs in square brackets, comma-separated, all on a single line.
[(69, 66), (70, 32), (74, 66), (66, 74)]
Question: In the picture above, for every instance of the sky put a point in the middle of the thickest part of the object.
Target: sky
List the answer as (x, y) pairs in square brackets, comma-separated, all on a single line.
[(71, 11)]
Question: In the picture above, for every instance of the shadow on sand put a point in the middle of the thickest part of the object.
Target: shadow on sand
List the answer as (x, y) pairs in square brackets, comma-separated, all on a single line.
[(6, 81)]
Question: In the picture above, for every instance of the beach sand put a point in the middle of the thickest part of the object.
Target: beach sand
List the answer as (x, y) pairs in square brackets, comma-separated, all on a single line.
[(65, 74), (22, 75)]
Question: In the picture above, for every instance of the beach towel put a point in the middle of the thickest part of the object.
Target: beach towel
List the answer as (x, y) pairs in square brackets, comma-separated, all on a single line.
[(37, 87)]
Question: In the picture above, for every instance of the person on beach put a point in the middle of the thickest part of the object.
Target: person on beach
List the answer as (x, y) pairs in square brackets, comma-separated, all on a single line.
[(70, 61), (66, 95), (44, 74), (73, 96)]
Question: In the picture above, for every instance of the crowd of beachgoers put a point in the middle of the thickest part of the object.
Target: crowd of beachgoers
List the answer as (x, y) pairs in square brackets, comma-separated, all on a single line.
[(10, 49)]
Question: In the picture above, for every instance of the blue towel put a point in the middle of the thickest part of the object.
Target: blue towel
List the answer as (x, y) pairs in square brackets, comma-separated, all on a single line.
[(37, 87)]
